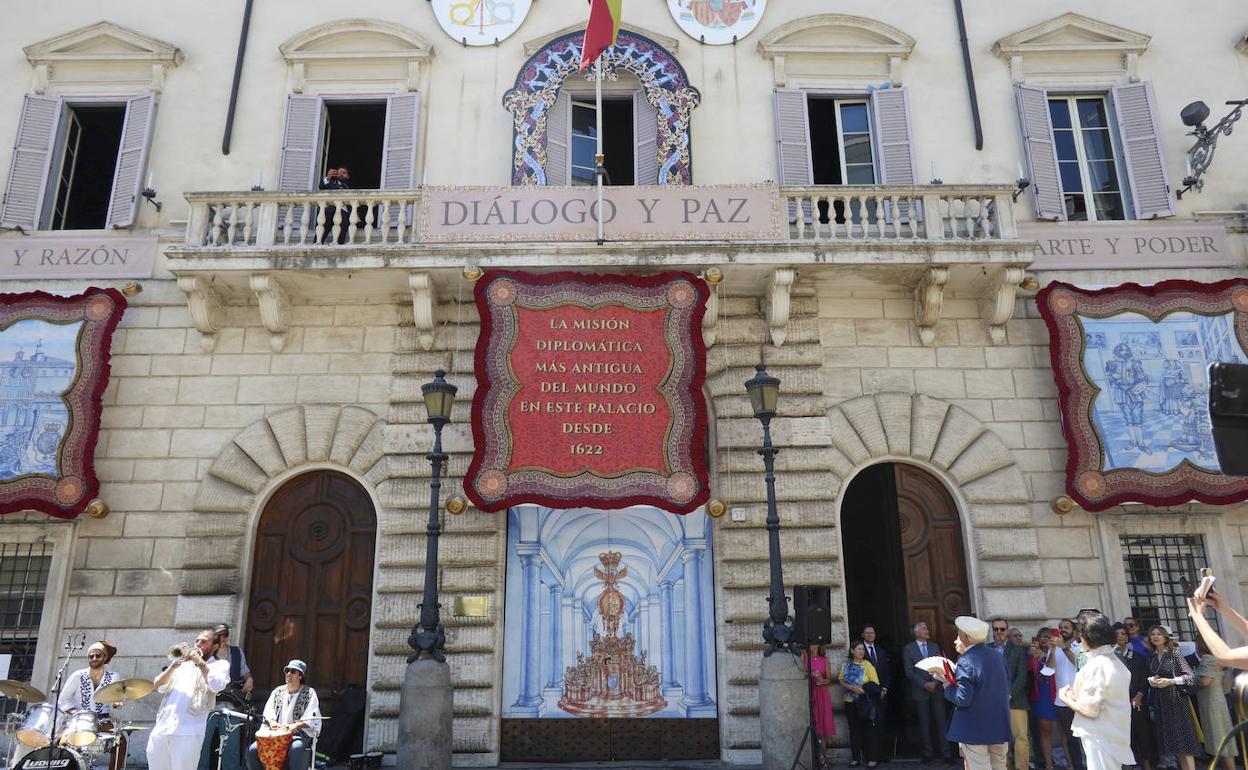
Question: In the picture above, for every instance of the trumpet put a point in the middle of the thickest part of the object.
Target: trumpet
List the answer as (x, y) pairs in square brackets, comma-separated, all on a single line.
[(177, 652)]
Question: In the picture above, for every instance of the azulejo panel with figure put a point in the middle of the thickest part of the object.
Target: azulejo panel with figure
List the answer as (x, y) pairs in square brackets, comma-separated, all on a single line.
[(609, 614), (1131, 364), (54, 354)]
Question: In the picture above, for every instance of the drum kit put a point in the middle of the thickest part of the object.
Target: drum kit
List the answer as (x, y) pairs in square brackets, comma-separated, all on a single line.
[(44, 736)]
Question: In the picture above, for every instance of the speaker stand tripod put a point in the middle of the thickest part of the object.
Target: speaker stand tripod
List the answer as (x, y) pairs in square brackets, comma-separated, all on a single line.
[(811, 735)]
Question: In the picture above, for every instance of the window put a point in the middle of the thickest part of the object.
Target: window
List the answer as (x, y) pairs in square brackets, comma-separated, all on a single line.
[(825, 138), (840, 141), (1086, 158), (1094, 156), (617, 141), (24, 569), (354, 137), (1157, 570), (78, 164), (374, 138)]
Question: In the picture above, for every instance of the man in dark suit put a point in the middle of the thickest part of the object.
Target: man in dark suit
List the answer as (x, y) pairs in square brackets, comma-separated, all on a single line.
[(924, 692), (981, 698), (878, 657), (1015, 657)]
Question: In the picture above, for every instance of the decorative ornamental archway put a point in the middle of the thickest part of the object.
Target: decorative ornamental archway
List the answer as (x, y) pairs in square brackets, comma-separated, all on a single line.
[(662, 77)]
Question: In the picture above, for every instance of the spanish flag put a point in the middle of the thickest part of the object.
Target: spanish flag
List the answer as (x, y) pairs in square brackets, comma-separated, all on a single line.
[(602, 29)]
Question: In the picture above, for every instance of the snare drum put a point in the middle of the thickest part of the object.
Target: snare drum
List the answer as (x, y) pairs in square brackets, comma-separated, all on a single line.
[(80, 729), (273, 746), (36, 729)]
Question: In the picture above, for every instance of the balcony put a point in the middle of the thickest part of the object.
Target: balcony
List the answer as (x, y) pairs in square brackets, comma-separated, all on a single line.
[(267, 248)]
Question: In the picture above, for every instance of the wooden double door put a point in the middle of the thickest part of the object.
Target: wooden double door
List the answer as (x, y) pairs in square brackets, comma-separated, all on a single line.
[(904, 562), (312, 584)]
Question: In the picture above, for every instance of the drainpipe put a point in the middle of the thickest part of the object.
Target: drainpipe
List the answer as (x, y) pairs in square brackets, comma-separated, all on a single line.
[(970, 76), (238, 76)]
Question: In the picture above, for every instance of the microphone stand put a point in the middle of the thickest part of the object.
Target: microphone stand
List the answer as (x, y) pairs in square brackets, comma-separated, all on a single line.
[(73, 643), (230, 727)]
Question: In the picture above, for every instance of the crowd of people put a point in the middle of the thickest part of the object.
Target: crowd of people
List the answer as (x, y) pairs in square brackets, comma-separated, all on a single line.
[(1088, 694)]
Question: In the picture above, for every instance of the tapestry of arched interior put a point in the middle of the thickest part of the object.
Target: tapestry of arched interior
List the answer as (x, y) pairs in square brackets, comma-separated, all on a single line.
[(662, 78), (609, 614)]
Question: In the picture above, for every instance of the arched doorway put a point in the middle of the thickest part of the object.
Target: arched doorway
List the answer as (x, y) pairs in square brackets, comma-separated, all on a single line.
[(904, 561), (312, 583)]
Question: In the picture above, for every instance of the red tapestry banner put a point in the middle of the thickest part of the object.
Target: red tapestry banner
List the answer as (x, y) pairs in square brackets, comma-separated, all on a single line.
[(589, 392), (1131, 364), (54, 365)]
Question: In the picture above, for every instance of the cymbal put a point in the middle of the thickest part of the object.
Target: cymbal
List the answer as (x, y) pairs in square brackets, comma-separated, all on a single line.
[(21, 691), (124, 690)]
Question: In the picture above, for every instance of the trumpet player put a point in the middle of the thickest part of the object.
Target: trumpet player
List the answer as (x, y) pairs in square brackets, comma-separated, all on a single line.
[(188, 686)]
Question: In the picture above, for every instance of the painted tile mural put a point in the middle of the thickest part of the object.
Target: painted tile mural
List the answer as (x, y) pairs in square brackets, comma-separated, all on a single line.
[(38, 363), (1131, 365), (608, 614)]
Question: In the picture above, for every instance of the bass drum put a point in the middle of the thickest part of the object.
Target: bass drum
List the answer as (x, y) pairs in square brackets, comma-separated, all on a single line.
[(52, 758)]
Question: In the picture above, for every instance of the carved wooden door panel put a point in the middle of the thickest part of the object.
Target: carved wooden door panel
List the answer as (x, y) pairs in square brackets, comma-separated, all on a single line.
[(933, 554), (312, 583)]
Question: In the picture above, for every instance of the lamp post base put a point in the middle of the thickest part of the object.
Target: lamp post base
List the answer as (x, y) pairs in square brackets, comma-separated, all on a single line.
[(783, 710), (425, 716)]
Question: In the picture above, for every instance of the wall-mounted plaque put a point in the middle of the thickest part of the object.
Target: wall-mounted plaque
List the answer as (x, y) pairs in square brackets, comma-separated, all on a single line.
[(480, 22), (717, 22)]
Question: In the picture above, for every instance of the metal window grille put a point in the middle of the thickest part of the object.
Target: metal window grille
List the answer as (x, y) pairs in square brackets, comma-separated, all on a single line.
[(1158, 569), (23, 583)]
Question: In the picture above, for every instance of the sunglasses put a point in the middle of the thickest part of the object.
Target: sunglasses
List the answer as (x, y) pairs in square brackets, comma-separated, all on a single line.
[(1000, 628), (95, 655)]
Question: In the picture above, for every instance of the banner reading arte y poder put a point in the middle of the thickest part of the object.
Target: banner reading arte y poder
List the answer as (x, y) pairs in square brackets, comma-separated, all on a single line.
[(589, 392)]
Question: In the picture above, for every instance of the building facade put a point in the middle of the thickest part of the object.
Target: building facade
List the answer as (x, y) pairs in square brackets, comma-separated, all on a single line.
[(263, 439)]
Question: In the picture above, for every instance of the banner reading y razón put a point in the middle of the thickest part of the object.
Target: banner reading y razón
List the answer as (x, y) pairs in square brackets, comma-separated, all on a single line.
[(589, 392)]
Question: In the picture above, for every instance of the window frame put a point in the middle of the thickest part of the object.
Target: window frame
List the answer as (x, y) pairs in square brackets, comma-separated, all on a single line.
[(577, 100), (578, 93), (322, 142), (1085, 178), (51, 185), (839, 98), (1213, 527), (56, 591)]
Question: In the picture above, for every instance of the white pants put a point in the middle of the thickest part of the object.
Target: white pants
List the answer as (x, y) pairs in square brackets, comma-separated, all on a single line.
[(1099, 756), (174, 752), (985, 757)]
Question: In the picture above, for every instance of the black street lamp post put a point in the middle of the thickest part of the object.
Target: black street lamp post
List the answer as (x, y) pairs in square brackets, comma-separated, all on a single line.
[(428, 637), (764, 392)]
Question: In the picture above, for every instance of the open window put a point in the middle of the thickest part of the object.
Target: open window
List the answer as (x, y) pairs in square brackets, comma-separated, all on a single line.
[(374, 138), (78, 164), (843, 138), (629, 136), (1094, 155)]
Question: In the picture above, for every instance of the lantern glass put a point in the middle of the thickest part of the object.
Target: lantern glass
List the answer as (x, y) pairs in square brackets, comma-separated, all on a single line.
[(764, 393), (439, 397)]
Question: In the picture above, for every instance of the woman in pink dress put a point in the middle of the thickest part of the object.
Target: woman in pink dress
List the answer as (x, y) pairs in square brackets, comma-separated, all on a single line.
[(825, 721)]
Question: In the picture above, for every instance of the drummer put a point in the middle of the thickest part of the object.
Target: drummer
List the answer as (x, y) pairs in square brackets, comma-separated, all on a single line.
[(293, 707), (79, 691)]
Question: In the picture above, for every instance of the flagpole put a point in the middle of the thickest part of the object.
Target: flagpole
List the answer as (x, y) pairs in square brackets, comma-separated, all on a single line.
[(600, 170)]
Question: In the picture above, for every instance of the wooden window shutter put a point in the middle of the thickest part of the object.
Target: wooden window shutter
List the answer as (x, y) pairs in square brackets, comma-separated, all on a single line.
[(558, 168), (645, 140), (136, 141), (894, 136), (1037, 127), (301, 143), (793, 137), (1136, 115), (28, 171), (398, 159)]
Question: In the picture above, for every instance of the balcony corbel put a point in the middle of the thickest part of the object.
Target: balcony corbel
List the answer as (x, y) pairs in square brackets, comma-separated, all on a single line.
[(997, 306), (779, 290), (709, 317), (205, 307), (929, 296), (421, 285), (274, 308)]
